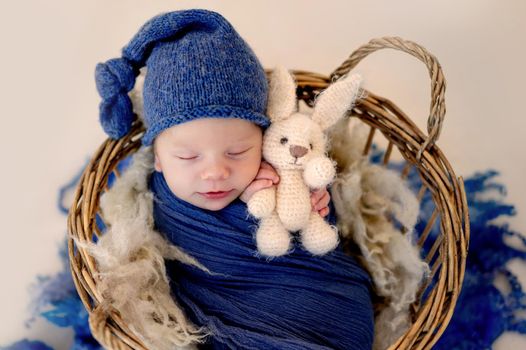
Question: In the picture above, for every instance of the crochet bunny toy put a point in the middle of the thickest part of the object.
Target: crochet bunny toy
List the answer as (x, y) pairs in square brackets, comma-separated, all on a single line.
[(295, 145)]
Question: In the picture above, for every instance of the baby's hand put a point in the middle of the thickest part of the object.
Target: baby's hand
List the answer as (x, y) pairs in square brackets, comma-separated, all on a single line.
[(266, 177), (320, 201)]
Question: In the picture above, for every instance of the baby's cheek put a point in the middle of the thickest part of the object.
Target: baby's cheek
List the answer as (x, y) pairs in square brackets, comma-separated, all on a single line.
[(180, 182), (250, 171), (173, 185)]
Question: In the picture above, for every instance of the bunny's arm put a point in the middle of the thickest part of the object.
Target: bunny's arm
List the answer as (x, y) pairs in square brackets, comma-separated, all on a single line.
[(319, 172), (262, 203)]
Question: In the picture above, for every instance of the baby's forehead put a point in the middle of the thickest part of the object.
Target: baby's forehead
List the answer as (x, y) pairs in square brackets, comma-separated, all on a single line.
[(209, 132)]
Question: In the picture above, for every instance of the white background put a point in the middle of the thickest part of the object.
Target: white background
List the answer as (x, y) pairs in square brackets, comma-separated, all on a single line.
[(50, 120)]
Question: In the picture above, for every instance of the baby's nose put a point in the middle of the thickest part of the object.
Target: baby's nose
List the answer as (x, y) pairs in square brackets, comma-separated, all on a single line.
[(215, 172), (298, 151)]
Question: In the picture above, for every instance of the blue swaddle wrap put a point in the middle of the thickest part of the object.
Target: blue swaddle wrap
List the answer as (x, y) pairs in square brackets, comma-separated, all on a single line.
[(296, 301)]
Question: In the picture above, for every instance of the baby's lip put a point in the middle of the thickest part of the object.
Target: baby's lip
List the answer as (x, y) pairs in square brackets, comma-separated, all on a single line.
[(216, 195), (217, 191)]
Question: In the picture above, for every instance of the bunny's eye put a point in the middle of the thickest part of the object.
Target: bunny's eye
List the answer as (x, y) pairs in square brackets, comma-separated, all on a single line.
[(284, 140), (310, 144)]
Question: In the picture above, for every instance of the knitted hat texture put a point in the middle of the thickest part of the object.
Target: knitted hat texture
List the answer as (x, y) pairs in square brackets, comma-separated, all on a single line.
[(197, 67)]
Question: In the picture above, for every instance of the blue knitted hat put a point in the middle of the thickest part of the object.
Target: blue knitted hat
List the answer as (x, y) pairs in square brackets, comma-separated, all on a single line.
[(197, 66)]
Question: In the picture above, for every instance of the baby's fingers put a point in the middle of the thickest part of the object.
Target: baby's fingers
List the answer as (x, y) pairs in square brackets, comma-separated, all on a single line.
[(266, 171), (320, 201), (324, 212), (254, 186), (265, 164)]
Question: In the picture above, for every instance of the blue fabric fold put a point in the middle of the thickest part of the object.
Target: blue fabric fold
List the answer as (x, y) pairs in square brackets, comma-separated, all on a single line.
[(296, 301)]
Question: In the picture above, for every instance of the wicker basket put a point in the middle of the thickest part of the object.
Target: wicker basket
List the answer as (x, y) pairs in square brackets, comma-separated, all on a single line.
[(447, 255)]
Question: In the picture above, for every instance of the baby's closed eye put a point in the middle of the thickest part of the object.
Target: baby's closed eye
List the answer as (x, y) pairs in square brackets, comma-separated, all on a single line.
[(239, 153), (186, 157)]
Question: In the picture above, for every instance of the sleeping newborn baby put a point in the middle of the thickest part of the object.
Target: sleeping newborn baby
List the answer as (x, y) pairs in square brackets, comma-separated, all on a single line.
[(205, 96)]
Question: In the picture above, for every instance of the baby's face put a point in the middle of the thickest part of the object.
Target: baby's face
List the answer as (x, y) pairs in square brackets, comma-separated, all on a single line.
[(209, 155)]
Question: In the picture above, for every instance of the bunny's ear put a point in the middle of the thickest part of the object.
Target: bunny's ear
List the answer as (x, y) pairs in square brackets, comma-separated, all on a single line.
[(282, 94), (334, 102)]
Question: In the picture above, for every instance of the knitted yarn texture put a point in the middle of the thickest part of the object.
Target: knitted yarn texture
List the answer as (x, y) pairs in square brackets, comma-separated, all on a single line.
[(295, 146), (197, 66)]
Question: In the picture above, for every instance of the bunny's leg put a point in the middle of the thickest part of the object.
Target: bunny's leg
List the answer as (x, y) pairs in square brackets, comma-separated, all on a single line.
[(272, 238), (319, 237)]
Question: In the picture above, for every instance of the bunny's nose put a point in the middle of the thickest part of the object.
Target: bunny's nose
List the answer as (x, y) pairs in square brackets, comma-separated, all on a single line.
[(298, 151)]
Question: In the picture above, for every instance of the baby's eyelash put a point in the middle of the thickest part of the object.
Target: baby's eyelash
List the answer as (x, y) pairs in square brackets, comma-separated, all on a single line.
[(236, 154), (239, 153), (190, 158)]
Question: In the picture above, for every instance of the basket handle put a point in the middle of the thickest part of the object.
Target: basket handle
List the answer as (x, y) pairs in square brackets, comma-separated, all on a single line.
[(438, 83)]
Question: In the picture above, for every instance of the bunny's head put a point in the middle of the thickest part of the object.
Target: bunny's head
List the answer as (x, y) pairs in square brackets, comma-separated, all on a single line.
[(294, 138), (292, 142)]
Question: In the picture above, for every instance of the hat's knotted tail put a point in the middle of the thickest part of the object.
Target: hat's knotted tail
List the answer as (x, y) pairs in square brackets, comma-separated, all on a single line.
[(115, 78)]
